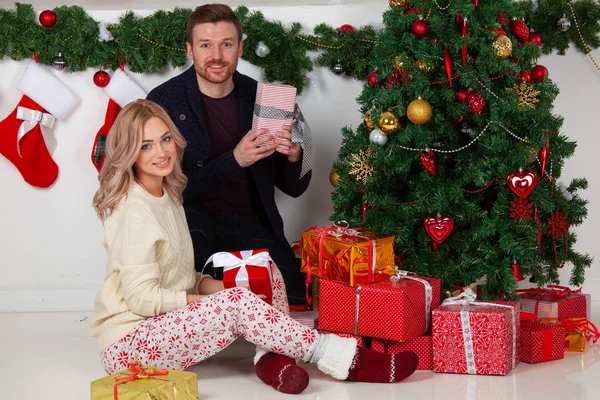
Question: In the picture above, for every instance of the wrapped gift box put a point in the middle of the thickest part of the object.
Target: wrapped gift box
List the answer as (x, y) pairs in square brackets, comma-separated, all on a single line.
[(555, 302), (578, 331), (250, 268), (345, 255), (422, 346), (274, 107), (394, 310), (476, 338), (541, 342), (146, 383)]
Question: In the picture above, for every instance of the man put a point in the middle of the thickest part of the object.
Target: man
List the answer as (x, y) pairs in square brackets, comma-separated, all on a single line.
[(232, 171)]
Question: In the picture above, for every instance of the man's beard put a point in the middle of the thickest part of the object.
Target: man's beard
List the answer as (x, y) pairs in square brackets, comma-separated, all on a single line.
[(212, 77)]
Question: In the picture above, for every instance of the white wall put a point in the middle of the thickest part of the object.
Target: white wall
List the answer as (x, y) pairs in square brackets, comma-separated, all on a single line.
[(51, 256)]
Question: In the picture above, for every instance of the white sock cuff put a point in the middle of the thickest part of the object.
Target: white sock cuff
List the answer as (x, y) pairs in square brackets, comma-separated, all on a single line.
[(337, 356), (39, 84), (123, 90)]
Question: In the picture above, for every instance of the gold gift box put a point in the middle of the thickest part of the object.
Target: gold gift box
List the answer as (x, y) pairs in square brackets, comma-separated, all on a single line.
[(346, 256), (575, 338), (175, 385)]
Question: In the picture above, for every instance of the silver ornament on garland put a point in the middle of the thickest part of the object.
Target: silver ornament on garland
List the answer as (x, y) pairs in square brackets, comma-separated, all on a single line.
[(262, 50), (563, 24), (338, 68), (378, 137), (59, 63)]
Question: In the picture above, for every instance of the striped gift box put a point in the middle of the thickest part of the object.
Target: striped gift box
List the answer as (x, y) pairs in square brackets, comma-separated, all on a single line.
[(270, 96)]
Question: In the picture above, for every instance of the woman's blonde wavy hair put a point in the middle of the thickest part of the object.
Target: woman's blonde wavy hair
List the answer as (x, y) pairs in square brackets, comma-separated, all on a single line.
[(122, 149)]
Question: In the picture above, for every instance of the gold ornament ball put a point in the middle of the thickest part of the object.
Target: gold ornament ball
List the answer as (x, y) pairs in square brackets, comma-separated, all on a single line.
[(422, 66), (388, 122), (397, 63), (419, 111), (368, 120), (396, 3), (502, 47), (334, 178)]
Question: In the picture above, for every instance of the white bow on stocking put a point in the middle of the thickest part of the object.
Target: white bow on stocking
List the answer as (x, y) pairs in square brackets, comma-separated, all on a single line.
[(30, 119)]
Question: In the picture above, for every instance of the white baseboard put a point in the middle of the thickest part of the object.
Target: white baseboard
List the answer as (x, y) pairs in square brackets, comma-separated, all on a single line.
[(46, 300)]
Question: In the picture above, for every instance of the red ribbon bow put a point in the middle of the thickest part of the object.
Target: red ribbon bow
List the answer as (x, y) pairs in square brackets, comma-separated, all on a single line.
[(582, 325), (138, 373)]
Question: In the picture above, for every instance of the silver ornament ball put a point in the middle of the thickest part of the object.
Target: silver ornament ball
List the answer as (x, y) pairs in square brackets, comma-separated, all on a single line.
[(338, 68), (378, 137), (59, 63), (262, 50), (563, 24)]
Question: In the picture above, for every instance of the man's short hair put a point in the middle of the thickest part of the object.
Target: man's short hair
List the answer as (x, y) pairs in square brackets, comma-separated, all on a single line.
[(212, 13)]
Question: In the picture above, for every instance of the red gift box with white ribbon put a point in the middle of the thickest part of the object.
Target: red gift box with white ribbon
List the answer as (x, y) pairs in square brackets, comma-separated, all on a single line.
[(397, 309), (250, 268), (555, 302)]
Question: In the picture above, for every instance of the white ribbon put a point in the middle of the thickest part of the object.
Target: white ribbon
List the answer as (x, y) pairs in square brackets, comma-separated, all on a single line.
[(466, 299), (229, 261), (400, 274), (31, 118)]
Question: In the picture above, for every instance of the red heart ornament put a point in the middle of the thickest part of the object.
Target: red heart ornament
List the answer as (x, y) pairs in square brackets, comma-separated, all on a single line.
[(429, 161), (522, 183), (439, 228)]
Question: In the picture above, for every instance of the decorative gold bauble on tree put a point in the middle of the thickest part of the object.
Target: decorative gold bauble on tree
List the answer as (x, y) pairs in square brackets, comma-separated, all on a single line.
[(396, 3), (419, 111), (422, 66), (334, 178), (397, 63), (502, 47), (368, 120), (388, 122)]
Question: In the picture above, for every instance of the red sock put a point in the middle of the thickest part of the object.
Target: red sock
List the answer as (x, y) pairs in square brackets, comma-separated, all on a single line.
[(282, 373), (371, 366)]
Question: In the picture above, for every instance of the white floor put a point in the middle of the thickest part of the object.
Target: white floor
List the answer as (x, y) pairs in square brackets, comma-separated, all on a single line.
[(49, 356)]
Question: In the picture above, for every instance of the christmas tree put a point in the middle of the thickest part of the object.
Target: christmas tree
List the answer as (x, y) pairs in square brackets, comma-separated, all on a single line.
[(460, 153)]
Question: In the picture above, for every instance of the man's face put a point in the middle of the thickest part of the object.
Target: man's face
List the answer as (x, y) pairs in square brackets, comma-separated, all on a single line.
[(215, 51)]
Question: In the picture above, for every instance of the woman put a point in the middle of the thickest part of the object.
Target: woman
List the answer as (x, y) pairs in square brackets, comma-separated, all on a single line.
[(153, 305)]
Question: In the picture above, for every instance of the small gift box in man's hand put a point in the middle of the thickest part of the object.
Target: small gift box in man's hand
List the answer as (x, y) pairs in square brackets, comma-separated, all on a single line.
[(251, 268)]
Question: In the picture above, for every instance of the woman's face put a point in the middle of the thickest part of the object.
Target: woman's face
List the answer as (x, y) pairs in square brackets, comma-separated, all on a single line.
[(157, 153)]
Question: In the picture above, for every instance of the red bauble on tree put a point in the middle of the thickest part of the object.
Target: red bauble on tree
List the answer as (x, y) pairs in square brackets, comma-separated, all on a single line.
[(524, 76), (346, 28), (101, 78), (48, 18), (522, 183), (476, 102), (520, 30), (372, 78), (420, 28), (462, 94), (538, 73), (429, 161), (535, 38), (438, 229)]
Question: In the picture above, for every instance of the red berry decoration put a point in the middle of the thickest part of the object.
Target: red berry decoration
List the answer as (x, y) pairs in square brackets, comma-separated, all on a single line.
[(420, 28), (372, 78), (48, 18), (520, 30), (524, 76), (462, 94), (101, 78), (501, 18), (476, 102), (535, 38), (538, 73), (346, 28)]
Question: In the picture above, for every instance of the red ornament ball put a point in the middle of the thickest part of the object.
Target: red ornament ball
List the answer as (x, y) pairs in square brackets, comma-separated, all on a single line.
[(520, 30), (524, 76), (48, 18), (538, 73), (101, 78), (535, 38), (346, 28), (372, 78), (420, 28), (476, 102), (462, 94)]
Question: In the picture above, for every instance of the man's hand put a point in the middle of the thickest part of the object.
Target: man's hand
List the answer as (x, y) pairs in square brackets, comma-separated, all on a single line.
[(283, 139), (252, 148)]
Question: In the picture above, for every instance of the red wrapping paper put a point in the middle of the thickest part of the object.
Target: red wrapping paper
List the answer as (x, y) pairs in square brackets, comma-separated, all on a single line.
[(422, 346), (492, 335), (541, 342), (386, 310), (257, 277), (555, 302)]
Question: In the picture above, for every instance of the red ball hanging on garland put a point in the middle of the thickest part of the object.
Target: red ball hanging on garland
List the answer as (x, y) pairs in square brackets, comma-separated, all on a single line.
[(346, 28), (538, 73), (101, 79), (535, 38), (524, 76), (476, 102), (372, 78), (462, 94), (420, 28), (520, 30), (48, 18)]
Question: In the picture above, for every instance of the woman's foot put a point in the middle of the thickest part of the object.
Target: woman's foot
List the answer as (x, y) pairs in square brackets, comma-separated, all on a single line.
[(371, 366), (282, 373)]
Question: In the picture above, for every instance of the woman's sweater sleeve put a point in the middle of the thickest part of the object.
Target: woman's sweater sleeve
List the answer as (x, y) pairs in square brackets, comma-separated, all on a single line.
[(134, 257)]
